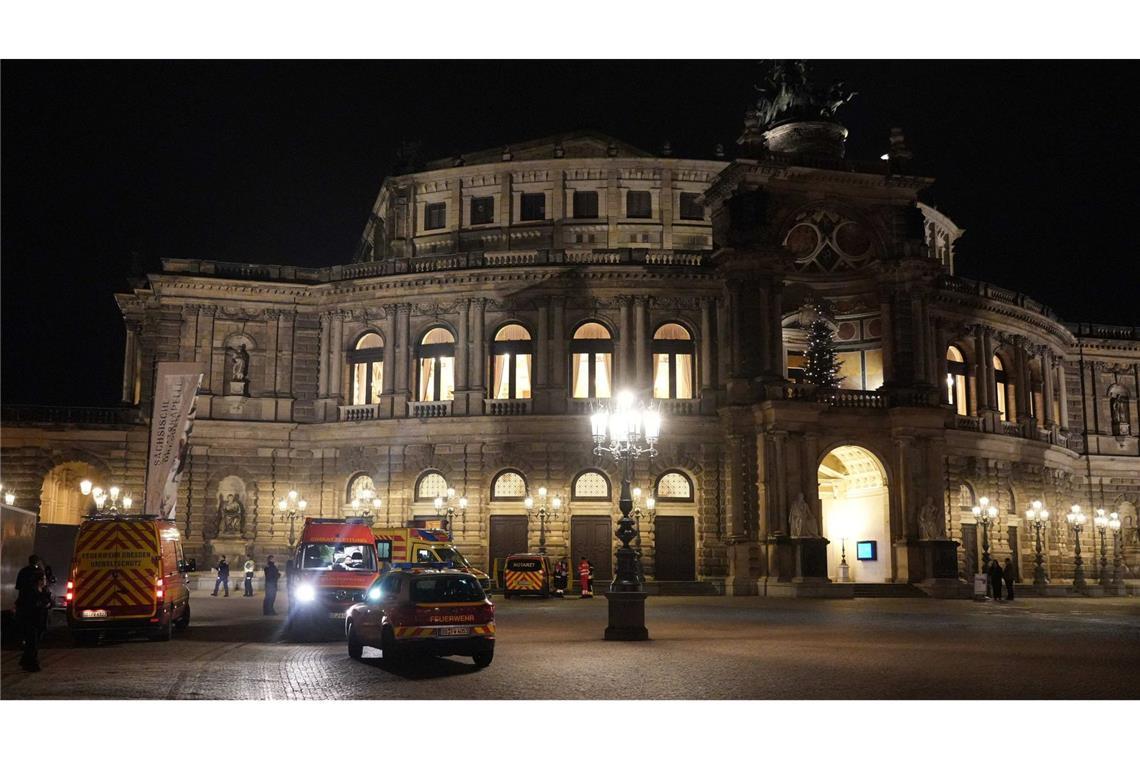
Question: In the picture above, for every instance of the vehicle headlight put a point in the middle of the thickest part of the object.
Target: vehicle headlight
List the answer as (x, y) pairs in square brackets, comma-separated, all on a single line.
[(374, 594), (306, 593)]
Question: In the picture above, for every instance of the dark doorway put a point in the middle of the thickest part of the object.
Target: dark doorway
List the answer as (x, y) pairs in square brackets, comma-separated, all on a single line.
[(970, 548), (676, 549), (591, 537), (1015, 552), (508, 536)]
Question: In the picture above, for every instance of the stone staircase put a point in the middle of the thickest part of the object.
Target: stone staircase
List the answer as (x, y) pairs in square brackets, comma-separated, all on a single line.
[(888, 591)]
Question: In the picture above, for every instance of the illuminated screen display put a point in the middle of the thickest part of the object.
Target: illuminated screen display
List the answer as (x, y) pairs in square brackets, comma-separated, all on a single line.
[(867, 550)]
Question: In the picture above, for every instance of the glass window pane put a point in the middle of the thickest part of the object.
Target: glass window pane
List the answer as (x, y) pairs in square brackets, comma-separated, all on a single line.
[(580, 380), (953, 354), (427, 380), (1001, 400), (377, 381), (960, 394), (437, 335), (431, 485), (672, 331), (591, 485), (592, 331), (585, 204), (684, 376), (447, 378), (500, 387), (638, 204), (852, 369), (522, 376), (690, 207), (661, 376), (509, 485), (512, 332), (359, 378), (874, 368), (602, 375), (370, 340)]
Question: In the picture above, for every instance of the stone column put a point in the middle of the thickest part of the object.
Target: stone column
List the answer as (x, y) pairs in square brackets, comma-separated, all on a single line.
[(1062, 394), (336, 357), (205, 345), (131, 366), (288, 323), (403, 355), (323, 370), (1024, 388), (706, 347), (462, 347), (888, 340), (478, 369), (623, 372), (723, 343), (272, 350), (777, 355), (558, 347), (921, 338), (764, 339), (390, 358), (542, 347), (641, 342), (1047, 388), (937, 363)]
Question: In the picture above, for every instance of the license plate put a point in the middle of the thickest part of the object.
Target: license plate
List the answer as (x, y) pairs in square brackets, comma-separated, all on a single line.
[(338, 615), (458, 630), (93, 613)]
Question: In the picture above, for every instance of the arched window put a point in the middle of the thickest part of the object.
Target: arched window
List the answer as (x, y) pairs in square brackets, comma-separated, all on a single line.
[(436, 354), (591, 485), (360, 488), (673, 366), (591, 360), (366, 365), (508, 485), (673, 486), (512, 356), (956, 390), (430, 485), (1002, 388), (965, 497)]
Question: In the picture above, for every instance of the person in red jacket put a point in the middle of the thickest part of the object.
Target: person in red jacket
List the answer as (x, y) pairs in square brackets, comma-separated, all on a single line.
[(585, 578)]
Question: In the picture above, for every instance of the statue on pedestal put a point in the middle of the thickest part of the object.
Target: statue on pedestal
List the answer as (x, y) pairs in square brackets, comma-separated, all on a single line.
[(930, 521), (801, 521)]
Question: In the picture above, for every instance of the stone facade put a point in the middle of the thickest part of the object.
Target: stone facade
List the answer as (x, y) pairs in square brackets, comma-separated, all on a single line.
[(557, 233)]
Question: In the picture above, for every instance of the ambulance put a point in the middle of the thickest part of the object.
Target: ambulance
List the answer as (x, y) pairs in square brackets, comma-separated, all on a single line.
[(334, 565), (423, 546), (528, 574), (128, 576)]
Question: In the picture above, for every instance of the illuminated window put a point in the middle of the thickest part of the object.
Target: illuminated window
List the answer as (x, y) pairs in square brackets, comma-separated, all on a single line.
[(956, 380), (591, 485), (366, 365), (797, 363), (436, 359), (591, 359), (674, 486), (508, 485), (673, 368), (430, 485), (512, 354), (1002, 389), (362, 489)]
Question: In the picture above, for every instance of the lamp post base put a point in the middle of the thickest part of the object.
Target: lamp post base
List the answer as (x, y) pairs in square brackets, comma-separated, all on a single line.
[(627, 616)]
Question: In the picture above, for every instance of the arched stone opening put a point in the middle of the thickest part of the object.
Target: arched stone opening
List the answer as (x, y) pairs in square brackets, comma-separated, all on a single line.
[(853, 492), (61, 502)]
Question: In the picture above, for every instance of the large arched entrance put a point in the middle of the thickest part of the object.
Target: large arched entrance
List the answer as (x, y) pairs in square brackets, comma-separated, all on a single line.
[(61, 503), (856, 514)]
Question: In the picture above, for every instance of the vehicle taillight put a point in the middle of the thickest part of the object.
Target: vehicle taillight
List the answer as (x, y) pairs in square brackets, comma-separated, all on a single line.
[(70, 596), (158, 592)]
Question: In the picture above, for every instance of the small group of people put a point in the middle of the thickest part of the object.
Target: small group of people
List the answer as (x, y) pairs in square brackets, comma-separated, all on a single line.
[(272, 575), (33, 604), (997, 576)]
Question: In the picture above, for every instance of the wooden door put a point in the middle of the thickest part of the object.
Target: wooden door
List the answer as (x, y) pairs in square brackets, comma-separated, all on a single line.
[(508, 536), (591, 537), (1015, 552), (676, 549), (970, 549)]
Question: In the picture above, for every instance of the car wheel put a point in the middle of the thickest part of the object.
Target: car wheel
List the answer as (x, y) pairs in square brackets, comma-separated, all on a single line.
[(483, 659), (184, 621), (355, 648)]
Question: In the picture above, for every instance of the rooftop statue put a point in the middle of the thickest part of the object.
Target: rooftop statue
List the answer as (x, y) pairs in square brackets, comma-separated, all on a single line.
[(788, 95)]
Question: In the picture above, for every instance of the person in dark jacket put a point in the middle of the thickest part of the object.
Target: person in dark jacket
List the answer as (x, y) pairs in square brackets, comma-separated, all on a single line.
[(33, 602), (223, 577), (1009, 575), (995, 575), (271, 576)]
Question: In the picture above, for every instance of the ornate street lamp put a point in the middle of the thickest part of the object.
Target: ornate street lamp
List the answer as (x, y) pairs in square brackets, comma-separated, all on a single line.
[(108, 501), (648, 514), (1117, 576), (363, 505), (544, 513), (1076, 520), (445, 507), (1039, 519), (1100, 521), (987, 516), (626, 430), (292, 507)]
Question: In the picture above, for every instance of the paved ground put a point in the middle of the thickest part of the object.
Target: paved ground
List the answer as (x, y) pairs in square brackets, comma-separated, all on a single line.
[(702, 648)]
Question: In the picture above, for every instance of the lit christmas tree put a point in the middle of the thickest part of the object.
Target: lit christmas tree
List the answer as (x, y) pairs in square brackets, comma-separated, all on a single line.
[(822, 365)]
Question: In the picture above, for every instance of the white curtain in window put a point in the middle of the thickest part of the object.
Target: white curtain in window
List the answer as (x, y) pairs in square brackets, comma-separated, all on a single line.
[(427, 380), (522, 376), (661, 376), (447, 378), (602, 375), (377, 381), (359, 378), (501, 386), (580, 367), (684, 376)]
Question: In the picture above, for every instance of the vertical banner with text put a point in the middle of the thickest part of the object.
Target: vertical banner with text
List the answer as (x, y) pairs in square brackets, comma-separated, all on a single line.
[(175, 393)]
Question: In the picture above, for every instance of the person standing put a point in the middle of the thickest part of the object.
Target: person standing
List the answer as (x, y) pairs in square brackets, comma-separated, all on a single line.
[(249, 568), (560, 575), (995, 580), (33, 601), (223, 576), (1009, 575), (584, 578), (271, 576)]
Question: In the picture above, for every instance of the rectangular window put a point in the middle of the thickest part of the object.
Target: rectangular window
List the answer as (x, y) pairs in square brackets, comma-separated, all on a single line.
[(638, 204), (585, 204), (873, 364), (435, 216), (796, 364), (690, 208), (483, 210), (533, 207), (851, 370)]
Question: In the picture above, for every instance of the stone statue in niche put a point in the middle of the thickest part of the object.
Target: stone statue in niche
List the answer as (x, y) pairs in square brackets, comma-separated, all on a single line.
[(230, 517), (930, 521), (238, 381), (1118, 410), (801, 521)]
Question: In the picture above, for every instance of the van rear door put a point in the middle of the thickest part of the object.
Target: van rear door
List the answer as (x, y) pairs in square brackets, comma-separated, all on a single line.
[(117, 563)]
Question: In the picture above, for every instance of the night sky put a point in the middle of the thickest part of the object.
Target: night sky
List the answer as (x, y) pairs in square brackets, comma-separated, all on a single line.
[(280, 162)]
